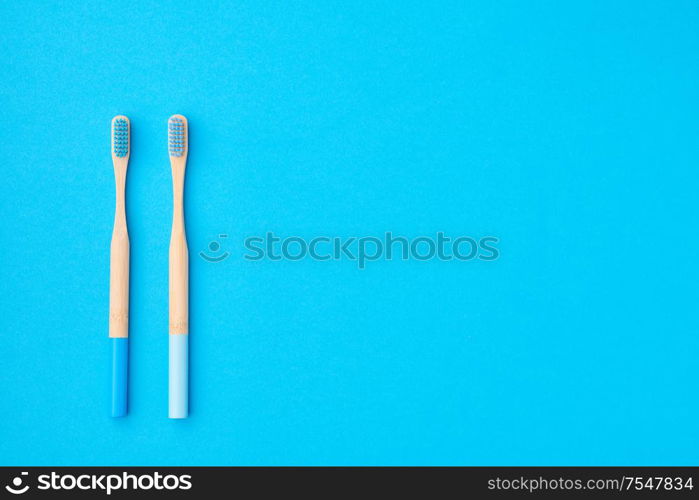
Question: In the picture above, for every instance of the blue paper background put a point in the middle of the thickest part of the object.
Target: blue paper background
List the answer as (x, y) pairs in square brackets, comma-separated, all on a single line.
[(567, 129)]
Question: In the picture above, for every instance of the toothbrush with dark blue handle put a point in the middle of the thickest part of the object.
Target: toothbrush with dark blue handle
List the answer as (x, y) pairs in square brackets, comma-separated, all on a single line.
[(119, 271)]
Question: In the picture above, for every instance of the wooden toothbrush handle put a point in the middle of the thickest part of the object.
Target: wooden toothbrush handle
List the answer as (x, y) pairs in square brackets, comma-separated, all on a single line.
[(179, 259), (119, 266)]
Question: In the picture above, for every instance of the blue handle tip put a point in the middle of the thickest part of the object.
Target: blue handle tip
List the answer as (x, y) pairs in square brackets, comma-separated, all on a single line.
[(120, 370)]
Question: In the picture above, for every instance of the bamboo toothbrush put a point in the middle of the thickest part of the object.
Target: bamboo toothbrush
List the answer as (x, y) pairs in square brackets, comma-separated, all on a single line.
[(119, 271), (179, 279)]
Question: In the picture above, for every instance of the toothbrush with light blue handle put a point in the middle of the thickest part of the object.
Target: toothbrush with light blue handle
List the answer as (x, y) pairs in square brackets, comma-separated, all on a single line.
[(119, 271), (178, 384)]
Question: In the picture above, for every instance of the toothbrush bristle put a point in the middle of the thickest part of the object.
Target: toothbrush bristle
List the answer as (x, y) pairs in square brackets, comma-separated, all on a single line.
[(177, 136), (120, 137)]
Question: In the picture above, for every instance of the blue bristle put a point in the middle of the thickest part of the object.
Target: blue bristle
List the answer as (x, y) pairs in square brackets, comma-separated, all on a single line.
[(176, 137), (120, 137)]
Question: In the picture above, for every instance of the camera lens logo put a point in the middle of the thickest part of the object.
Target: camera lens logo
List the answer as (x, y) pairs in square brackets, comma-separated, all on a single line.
[(214, 247), (16, 488)]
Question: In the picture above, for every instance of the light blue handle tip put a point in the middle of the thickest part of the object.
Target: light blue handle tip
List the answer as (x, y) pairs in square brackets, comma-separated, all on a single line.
[(120, 371), (178, 375)]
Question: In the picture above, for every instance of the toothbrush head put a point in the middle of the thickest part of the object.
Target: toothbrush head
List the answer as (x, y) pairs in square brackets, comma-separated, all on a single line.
[(177, 136), (121, 129)]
